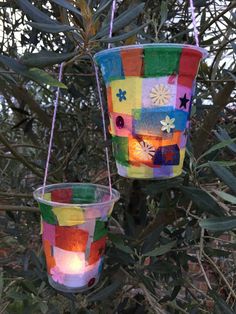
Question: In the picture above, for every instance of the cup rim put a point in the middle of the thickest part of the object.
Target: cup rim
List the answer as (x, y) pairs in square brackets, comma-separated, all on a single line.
[(37, 194), (151, 45)]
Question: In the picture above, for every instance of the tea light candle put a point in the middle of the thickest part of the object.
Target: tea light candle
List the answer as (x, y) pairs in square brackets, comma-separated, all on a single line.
[(71, 269)]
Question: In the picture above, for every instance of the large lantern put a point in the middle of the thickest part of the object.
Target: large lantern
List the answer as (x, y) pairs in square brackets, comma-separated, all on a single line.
[(149, 94), (74, 228)]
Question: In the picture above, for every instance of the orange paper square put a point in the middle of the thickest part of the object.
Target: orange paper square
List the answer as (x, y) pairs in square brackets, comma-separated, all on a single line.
[(97, 250), (48, 254), (132, 61)]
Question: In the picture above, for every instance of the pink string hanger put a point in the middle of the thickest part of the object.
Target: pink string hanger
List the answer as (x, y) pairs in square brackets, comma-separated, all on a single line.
[(101, 99), (52, 128), (195, 30), (101, 107)]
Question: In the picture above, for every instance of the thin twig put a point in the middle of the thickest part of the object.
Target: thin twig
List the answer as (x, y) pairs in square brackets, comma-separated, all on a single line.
[(221, 274), (19, 157), (4, 207), (20, 195), (203, 271)]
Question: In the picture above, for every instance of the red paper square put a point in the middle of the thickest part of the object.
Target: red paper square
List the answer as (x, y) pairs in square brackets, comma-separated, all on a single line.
[(71, 239), (62, 196), (188, 66)]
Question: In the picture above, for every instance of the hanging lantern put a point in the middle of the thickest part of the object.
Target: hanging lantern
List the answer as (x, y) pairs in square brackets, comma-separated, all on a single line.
[(149, 94), (74, 228)]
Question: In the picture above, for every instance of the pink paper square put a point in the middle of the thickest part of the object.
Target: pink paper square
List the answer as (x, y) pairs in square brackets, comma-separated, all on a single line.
[(185, 94), (49, 233), (123, 131), (170, 87)]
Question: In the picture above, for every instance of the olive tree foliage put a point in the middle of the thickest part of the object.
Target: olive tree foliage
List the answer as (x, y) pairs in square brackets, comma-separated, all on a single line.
[(158, 228)]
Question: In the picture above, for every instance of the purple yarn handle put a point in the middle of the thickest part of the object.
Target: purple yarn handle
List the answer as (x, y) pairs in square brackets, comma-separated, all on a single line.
[(112, 20), (195, 31), (52, 129), (104, 127), (101, 101)]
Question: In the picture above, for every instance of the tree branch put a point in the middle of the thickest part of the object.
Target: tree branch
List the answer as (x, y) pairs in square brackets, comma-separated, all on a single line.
[(18, 208), (22, 159), (230, 7), (220, 101)]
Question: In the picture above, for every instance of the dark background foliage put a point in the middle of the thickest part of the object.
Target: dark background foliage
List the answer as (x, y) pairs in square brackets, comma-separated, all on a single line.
[(171, 245)]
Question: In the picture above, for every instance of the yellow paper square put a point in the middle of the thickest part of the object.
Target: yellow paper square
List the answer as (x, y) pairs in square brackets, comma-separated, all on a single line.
[(131, 89), (69, 216), (47, 197), (177, 170), (142, 172)]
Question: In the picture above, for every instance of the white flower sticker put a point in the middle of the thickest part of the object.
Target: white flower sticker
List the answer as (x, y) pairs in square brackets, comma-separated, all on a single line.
[(160, 95), (145, 151), (168, 124)]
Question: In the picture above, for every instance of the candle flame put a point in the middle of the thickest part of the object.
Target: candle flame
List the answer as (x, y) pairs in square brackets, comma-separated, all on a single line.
[(69, 262)]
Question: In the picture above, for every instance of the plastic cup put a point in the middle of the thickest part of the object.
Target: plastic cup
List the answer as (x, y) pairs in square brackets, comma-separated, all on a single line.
[(149, 95), (74, 229)]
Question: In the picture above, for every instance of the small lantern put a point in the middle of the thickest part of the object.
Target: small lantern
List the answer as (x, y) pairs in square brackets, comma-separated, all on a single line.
[(74, 229), (149, 95)]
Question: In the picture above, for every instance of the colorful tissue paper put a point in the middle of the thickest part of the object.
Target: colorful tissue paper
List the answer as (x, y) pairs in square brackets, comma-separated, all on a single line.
[(74, 230), (149, 93)]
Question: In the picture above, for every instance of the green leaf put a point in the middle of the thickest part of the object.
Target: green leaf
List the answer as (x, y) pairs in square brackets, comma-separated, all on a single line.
[(121, 21), (7, 76), (223, 135), (45, 58), (163, 249), (217, 147), (101, 8), (234, 47), (17, 296), (104, 293), (163, 13), (123, 36), (14, 65), (200, 3), (216, 252), (225, 175), (152, 239), (121, 257), (227, 197), (218, 162), (163, 268), (119, 243), (67, 5), (158, 187), (52, 28), (229, 22), (43, 77), (34, 74), (34, 13), (224, 308), (219, 223), (203, 200)]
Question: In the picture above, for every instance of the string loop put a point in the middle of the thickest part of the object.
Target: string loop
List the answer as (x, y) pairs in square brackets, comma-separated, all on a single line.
[(195, 30), (52, 128)]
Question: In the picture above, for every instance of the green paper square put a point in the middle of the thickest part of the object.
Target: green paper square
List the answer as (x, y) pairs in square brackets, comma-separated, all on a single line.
[(136, 113), (83, 194), (47, 214), (100, 230), (121, 149), (161, 61)]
